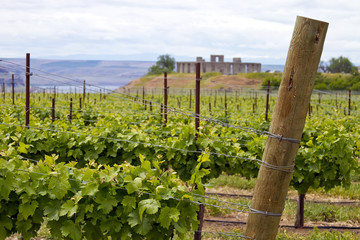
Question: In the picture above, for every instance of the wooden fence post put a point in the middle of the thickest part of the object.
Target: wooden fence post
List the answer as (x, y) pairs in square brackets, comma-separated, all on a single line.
[(286, 127)]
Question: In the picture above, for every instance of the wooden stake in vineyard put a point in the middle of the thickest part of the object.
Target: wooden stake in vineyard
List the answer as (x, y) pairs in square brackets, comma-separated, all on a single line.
[(286, 128)]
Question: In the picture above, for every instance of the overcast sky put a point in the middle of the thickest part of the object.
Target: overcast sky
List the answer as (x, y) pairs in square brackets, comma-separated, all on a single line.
[(254, 30)]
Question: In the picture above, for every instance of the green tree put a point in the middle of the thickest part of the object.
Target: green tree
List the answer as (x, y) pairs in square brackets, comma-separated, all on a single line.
[(165, 63), (340, 65)]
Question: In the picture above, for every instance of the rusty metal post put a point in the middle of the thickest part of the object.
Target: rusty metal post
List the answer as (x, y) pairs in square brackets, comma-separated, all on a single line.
[(197, 100), (84, 91), (349, 108), (267, 100), (336, 101), (190, 98), (200, 217), (71, 110), (165, 99), (143, 95), (225, 103), (4, 90), (215, 99), (53, 110), (13, 88), (27, 100)]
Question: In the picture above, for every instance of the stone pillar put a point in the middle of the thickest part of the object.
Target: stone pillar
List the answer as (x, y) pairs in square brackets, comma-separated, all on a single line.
[(250, 68), (243, 67), (221, 58), (259, 68)]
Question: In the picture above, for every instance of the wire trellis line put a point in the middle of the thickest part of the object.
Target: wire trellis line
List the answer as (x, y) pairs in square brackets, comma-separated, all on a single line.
[(258, 161)]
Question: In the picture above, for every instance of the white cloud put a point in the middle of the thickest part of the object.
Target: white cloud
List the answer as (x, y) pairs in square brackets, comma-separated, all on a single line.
[(249, 29)]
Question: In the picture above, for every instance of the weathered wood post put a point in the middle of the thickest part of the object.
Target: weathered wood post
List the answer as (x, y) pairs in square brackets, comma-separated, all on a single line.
[(286, 128)]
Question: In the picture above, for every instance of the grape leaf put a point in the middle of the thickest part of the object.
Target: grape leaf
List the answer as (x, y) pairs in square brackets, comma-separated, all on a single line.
[(167, 215), (141, 226), (71, 229), (69, 208), (28, 209), (58, 186), (134, 185), (90, 189), (52, 210), (150, 205), (129, 203), (107, 204)]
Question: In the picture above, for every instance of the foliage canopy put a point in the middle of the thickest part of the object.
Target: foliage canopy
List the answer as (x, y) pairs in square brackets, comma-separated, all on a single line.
[(341, 65), (165, 63)]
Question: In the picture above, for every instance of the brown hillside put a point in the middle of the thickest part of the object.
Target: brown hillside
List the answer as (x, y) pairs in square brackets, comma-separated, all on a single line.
[(176, 80)]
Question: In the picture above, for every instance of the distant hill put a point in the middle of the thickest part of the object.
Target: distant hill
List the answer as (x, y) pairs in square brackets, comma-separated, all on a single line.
[(96, 72), (6, 76)]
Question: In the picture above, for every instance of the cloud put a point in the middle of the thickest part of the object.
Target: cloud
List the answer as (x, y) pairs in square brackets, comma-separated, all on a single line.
[(255, 29)]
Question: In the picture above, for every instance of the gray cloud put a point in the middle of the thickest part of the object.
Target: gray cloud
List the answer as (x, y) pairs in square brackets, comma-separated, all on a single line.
[(249, 29)]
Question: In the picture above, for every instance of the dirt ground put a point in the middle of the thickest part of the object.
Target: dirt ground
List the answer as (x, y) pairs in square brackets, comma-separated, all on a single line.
[(239, 219)]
